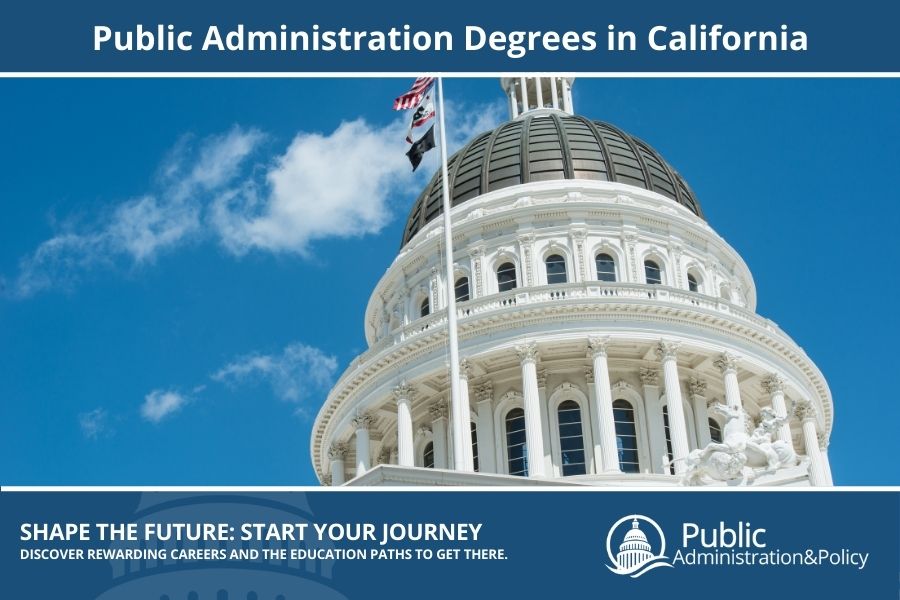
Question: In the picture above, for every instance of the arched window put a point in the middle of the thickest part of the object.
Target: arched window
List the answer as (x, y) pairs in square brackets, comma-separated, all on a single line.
[(668, 439), (626, 436), (424, 308), (506, 277), (652, 272), (693, 284), (606, 268), (475, 446), (556, 269), (462, 289), (516, 454), (715, 431), (428, 456), (571, 438)]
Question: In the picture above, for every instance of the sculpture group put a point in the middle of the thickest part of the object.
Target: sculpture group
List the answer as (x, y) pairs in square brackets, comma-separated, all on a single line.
[(741, 457)]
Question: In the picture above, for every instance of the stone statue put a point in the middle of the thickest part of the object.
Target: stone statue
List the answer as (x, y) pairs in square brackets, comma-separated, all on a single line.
[(740, 457)]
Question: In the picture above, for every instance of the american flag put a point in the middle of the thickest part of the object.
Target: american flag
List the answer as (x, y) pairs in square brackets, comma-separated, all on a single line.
[(414, 95)]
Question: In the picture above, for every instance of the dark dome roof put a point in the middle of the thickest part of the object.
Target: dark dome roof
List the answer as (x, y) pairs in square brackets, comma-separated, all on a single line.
[(549, 146)]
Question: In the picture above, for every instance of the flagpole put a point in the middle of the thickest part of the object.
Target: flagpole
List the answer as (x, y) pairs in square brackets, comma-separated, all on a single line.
[(459, 414)]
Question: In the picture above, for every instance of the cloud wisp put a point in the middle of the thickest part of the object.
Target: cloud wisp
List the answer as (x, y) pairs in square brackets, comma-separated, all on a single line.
[(95, 424), (160, 404), (225, 188), (296, 374)]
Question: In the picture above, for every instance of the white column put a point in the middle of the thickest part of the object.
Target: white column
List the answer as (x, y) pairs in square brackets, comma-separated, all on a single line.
[(806, 412), (362, 422), (823, 451), (438, 412), (596, 465), (597, 347), (656, 432), (697, 391), (523, 92), (554, 93), (545, 421), (534, 442), (727, 363), (405, 448), (484, 427), (774, 386), (513, 106), (336, 454), (567, 96), (463, 421), (539, 92), (666, 352)]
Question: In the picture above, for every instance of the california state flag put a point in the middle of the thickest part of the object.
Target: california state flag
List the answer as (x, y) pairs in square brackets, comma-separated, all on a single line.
[(423, 113)]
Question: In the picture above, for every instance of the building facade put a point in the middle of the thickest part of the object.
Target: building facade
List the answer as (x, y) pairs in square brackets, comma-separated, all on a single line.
[(608, 335)]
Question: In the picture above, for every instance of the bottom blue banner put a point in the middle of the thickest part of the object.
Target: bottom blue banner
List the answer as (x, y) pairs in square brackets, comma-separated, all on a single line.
[(448, 544)]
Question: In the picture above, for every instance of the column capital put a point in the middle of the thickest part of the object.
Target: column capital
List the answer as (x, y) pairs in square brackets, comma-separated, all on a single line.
[(403, 391), (589, 374), (422, 431), (542, 378), (363, 421), (476, 251), (805, 410), (438, 410), (527, 352), (696, 388), (338, 450), (484, 391), (666, 350), (649, 376), (597, 345), (772, 383), (726, 362)]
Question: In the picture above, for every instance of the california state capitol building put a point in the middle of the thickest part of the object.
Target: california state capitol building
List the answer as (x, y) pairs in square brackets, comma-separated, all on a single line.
[(608, 335)]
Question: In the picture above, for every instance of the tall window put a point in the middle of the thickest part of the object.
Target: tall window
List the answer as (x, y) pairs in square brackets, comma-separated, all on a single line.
[(571, 439), (428, 456), (506, 277), (693, 285), (475, 445), (715, 431), (556, 269), (626, 436), (517, 457), (424, 308), (652, 272), (668, 439), (462, 289), (606, 268)]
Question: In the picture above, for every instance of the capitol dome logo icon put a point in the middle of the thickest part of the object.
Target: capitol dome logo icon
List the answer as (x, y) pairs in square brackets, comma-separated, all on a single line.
[(635, 555)]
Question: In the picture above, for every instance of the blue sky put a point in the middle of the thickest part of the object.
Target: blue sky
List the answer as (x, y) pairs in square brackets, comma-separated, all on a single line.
[(171, 313)]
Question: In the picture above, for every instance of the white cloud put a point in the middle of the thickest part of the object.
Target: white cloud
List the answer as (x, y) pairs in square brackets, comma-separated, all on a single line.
[(136, 231), (334, 185), (159, 404), (94, 424), (294, 374)]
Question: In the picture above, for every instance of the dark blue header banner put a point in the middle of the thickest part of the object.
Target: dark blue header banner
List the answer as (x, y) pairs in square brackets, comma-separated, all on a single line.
[(448, 544), (459, 36)]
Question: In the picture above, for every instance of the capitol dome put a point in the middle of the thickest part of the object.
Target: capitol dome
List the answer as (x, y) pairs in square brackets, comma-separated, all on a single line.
[(606, 331), (547, 145)]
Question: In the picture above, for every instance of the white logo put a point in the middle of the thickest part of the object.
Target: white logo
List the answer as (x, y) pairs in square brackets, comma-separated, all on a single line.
[(635, 556)]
